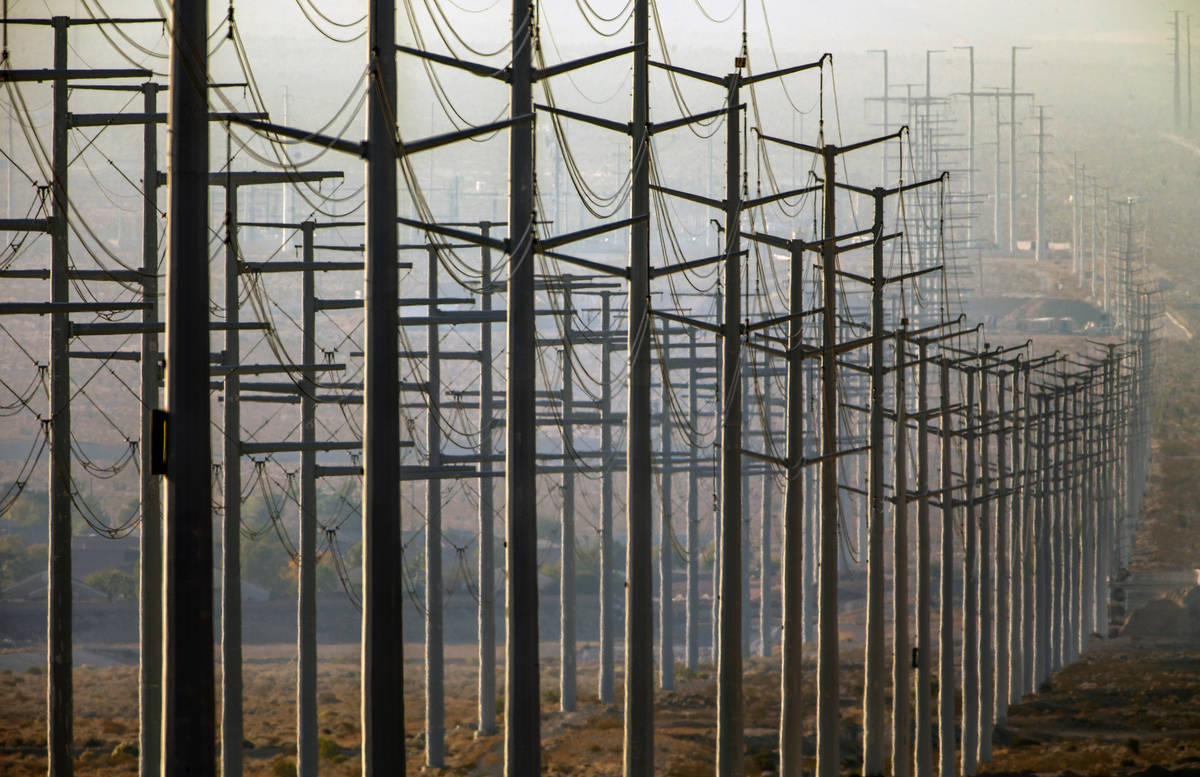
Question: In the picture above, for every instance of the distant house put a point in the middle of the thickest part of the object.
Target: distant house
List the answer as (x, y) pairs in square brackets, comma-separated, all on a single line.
[(34, 588)]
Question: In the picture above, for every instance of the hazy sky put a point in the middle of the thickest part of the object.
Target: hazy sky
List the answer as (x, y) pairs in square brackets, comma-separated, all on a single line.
[(841, 22)]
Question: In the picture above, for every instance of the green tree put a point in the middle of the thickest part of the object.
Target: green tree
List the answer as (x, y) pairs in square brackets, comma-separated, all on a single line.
[(117, 583)]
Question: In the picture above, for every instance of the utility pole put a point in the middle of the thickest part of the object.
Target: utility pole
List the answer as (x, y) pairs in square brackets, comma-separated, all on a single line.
[(1175, 57), (730, 752), (970, 618), (791, 716), (60, 662), (886, 99), (765, 605), (1004, 576), (150, 563), (996, 176), (605, 691), (382, 676), (691, 627), (1077, 223), (566, 588), (828, 715), (1039, 239), (986, 634), (487, 510), (970, 137), (639, 621), (946, 682), (307, 751), (666, 534), (901, 707), (1012, 155), (1029, 485), (189, 705), (435, 664), (522, 703), (923, 729), (874, 658), (231, 524)]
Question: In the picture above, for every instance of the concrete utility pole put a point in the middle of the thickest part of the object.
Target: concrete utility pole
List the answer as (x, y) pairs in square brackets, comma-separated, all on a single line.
[(875, 659), (793, 582), (189, 705), (1058, 534), (996, 176), (306, 602), (60, 693), (1028, 492), (487, 509), (886, 99), (828, 716), (730, 752), (1012, 155), (970, 617), (435, 665), (1039, 239), (566, 588), (692, 626), (150, 545), (1176, 58), (1004, 576), (1040, 559), (666, 534), (522, 704), (231, 523), (970, 137), (901, 706), (639, 591), (1077, 251), (987, 646), (607, 616), (382, 676), (946, 682), (766, 607), (923, 729)]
